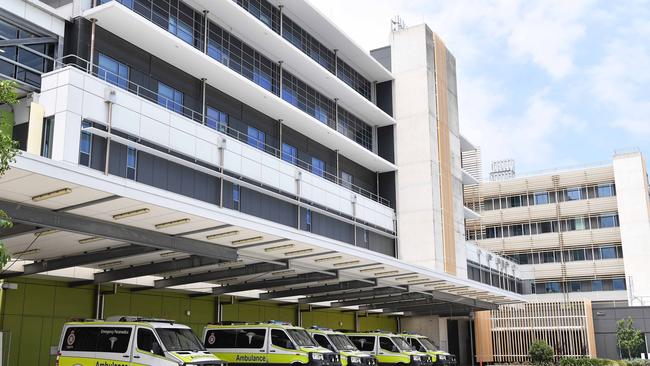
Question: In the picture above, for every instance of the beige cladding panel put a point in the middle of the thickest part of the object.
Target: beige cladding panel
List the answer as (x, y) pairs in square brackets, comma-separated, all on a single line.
[(551, 241), (483, 329), (444, 154)]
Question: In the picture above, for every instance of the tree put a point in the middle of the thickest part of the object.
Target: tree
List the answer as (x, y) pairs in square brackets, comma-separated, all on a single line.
[(541, 354), (8, 151), (628, 338)]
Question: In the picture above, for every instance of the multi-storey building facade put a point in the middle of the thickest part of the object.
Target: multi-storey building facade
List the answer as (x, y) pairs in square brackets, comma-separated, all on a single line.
[(574, 232), (209, 151)]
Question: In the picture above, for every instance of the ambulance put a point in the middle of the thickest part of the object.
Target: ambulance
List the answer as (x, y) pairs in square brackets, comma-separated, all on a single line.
[(340, 343), (389, 348), (131, 341), (272, 342), (424, 344)]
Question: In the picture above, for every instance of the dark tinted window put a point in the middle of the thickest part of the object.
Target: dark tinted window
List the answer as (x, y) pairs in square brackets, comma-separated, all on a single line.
[(322, 341), (364, 343), (95, 339), (147, 342), (221, 338), (251, 338), (387, 345), (281, 339)]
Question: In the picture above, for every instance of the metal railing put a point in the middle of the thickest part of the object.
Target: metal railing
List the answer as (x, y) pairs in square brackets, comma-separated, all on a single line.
[(229, 129)]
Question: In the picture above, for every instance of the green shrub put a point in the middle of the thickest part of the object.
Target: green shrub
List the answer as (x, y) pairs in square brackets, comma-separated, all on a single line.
[(541, 354)]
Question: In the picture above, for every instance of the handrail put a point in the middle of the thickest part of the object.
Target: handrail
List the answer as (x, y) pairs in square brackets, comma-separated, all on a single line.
[(124, 83)]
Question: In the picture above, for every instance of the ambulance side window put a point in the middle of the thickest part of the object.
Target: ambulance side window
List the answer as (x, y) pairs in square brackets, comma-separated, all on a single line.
[(387, 345), (251, 338), (113, 340), (364, 343), (323, 342), (221, 338), (281, 339), (80, 339), (147, 342), (417, 345)]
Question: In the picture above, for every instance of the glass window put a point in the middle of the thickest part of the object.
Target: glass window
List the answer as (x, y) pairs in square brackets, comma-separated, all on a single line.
[(216, 119), (85, 144), (607, 221), (256, 138), (235, 196), (605, 190), (318, 167), (552, 287), (548, 257), (80, 339), (545, 227), (170, 98), (320, 114), (113, 340), (541, 198), (578, 255), (308, 220), (364, 343), (515, 201), (289, 153), (618, 284), (218, 52), (147, 342), (221, 338), (517, 230), (608, 253), (347, 180), (387, 344), (131, 162), (323, 342), (596, 285), (575, 286), (113, 71), (47, 135), (251, 338), (181, 30), (280, 339), (573, 194), (262, 79), (289, 96)]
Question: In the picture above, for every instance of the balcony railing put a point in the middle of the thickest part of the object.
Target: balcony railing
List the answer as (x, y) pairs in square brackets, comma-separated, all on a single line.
[(229, 130)]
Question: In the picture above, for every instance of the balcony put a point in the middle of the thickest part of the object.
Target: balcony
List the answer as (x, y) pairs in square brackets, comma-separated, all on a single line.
[(135, 113), (138, 30)]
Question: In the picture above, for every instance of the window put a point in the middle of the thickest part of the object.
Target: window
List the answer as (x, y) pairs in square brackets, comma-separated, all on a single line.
[(289, 96), (618, 284), (573, 194), (113, 340), (219, 53), (85, 144), (318, 167), (545, 227), (607, 221), (387, 344), (320, 114), (256, 138), (366, 343), (221, 338), (170, 98), (308, 220), (179, 339), (323, 342), (47, 135), (113, 71), (541, 198), (577, 255), (235, 196), (251, 338), (596, 285), (147, 342), (575, 286), (280, 339), (552, 287), (515, 201), (181, 30), (216, 120), (262, 79), (517, 230), (548, 257), (289, 153), (131, 162), (347, 180), (605, 190), (608, 253)]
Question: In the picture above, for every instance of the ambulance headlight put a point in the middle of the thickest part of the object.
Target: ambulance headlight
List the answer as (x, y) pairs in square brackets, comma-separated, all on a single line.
[(415, 358), (355, 359), (317, 356)]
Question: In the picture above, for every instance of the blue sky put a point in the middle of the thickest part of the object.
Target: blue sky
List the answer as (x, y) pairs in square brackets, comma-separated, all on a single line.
[(549, 83)]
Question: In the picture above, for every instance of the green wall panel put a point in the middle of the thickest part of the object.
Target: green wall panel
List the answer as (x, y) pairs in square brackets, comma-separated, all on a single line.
[(34, 314)]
